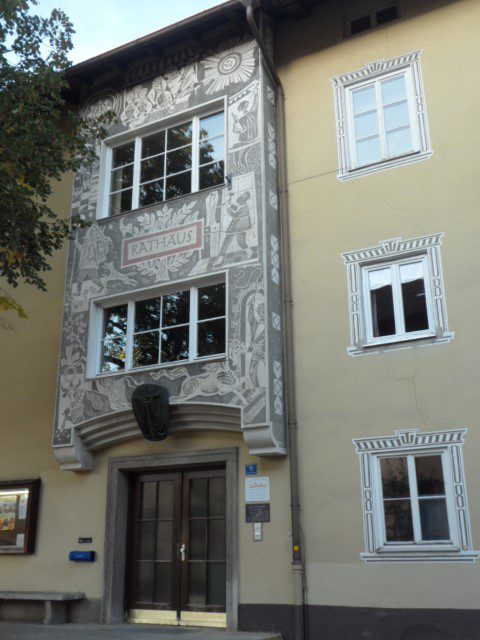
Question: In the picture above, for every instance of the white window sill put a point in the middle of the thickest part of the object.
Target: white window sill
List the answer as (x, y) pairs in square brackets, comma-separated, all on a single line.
[(167, 365), (421, 555), (400, 343), (408, 158), (105, 216)]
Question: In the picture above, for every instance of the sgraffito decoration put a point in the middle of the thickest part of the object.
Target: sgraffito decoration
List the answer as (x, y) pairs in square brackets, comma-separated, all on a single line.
[(231, 228)]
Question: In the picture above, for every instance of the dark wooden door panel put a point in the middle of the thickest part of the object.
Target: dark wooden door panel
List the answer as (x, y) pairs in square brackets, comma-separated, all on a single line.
[(204, 536), (178, 552), (157, 512)]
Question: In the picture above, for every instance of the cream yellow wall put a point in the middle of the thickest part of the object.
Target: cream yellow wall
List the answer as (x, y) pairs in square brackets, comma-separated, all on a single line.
[(437, 387)]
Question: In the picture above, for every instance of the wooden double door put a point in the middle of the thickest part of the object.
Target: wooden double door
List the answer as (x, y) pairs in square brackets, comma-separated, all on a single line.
[(178, 552)]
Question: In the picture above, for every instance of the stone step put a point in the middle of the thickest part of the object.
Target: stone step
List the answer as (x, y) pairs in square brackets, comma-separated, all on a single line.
[(29, 631)]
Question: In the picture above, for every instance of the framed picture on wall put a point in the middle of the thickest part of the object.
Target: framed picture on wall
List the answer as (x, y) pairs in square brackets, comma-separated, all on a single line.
[(18, 516)]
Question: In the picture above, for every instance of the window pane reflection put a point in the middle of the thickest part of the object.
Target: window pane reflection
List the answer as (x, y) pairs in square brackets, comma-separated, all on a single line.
[(413, 296), (381, 300)]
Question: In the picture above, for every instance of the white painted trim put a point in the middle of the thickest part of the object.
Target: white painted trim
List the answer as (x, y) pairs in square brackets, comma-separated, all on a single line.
[(375, 72), (385, 253), (410, 442)]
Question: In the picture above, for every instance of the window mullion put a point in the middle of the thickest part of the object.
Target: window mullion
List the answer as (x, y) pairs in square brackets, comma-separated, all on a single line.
[(129, 336), (397, 300), (193, 329), (380, 119), (160, 331), (136, 173), (195, 153), (412, 481)]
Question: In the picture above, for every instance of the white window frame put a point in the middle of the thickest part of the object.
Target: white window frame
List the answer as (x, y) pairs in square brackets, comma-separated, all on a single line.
[(97, 307), (369, 10), (389, 252), (374, 73), (401, 334), (107, 146), (406, 443)]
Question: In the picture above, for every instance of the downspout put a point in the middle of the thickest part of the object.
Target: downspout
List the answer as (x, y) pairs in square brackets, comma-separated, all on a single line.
[(290, 398)]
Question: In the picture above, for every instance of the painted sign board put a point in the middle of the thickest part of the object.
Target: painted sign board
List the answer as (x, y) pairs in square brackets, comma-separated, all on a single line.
[(257, 489), (251, 470), (162, 243), (257, 512)]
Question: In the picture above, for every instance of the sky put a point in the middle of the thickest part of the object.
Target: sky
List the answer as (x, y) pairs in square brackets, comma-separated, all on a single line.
[(101, 25)]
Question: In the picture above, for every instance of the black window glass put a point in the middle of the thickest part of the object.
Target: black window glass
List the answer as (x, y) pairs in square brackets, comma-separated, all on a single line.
[(381, 299), (395, 477), (413, 296), (434, 519), (145, 349), (121, 178), (179, 136), (398, 521), (151, 192), (211, 337), (211, 175), (179, 160), (115, 320), (151, 145), (174, 344), (152, 168), (179, 185), (113, 353), (360, 24), (387, 14), (429, 475), (211, 301), (176, 309), (120, 202), (123, 154), (147, 315)]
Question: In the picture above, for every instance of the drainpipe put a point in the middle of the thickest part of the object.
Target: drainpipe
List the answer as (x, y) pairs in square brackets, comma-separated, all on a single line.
[(298, 565)]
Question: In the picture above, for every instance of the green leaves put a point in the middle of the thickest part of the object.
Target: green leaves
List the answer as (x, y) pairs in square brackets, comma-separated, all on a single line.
[(41, 138)]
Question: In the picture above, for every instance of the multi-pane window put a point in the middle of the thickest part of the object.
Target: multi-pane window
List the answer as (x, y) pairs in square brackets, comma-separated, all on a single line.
[(414, 499), (382, 124), (171, 162), (398, 300), (381, 116), (179, 326), (373, 18)]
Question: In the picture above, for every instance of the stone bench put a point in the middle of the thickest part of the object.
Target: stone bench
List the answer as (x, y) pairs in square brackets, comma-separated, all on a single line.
[(56, 603)]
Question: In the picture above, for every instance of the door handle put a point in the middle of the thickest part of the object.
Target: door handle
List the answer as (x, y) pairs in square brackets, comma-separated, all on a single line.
[(182, 551)]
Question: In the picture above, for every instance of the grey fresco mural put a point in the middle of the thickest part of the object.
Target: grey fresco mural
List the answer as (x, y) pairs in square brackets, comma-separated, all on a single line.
[(231, 228)]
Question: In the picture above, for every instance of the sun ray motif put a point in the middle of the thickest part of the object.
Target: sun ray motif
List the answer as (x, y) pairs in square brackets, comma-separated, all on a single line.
[(233, 62)]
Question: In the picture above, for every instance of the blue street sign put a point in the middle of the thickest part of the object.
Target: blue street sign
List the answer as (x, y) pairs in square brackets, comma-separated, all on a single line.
[(250, 469)]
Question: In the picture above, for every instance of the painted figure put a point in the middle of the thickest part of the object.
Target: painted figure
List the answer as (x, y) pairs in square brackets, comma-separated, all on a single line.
[(239, 225), (246, 124)]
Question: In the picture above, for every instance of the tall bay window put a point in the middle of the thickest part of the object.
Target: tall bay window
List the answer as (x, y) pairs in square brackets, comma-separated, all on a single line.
[(178, 326), (167, 163)]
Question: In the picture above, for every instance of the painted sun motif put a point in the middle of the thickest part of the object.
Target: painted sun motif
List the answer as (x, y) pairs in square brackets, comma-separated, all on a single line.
[(233, 62)]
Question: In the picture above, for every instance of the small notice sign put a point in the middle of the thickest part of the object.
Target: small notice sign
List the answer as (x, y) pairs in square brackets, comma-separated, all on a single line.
[(257, 512), (250, 469), (257, 489)]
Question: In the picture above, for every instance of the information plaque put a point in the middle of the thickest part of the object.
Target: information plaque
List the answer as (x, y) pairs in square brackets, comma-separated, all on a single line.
[(257, 512)]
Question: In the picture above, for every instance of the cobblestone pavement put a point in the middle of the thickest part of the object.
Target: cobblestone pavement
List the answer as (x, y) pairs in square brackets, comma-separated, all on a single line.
[(28, 631)]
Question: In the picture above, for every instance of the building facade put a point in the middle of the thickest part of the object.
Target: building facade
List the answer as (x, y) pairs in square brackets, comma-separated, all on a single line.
[(180, 287)]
